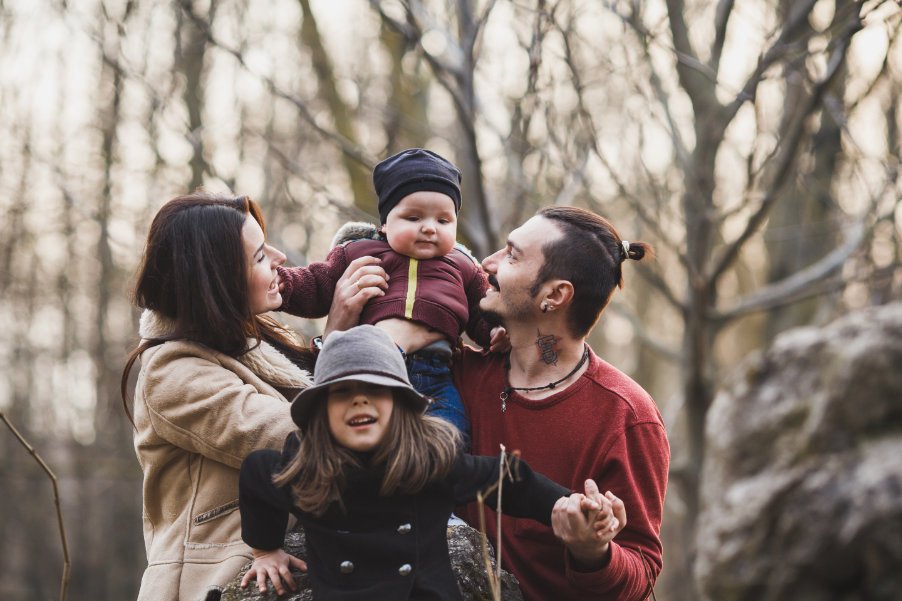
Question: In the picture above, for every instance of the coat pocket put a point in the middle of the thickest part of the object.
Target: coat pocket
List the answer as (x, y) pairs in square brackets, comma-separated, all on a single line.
[(215, 512)]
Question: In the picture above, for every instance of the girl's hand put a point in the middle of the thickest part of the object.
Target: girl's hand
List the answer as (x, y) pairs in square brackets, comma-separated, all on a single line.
[(276, 565), (361, 281), (499, 341), (587, 524)]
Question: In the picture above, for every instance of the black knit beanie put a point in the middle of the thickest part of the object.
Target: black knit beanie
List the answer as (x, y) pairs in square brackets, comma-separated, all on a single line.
[(414, 170)]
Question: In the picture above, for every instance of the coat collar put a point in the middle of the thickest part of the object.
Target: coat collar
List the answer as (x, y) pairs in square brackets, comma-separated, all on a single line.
[(265, 360)]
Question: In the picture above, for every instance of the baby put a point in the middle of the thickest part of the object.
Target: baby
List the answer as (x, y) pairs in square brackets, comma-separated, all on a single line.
[(434, 285)]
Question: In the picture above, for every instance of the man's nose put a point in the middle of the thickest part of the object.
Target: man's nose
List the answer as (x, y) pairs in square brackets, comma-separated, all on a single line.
[(490, 262)]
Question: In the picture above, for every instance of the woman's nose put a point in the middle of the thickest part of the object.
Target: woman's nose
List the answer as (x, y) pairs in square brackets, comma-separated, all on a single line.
[(278, 256)]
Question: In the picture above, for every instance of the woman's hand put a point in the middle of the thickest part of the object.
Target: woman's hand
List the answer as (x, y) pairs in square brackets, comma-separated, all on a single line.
[(362, 280), (276, 565)]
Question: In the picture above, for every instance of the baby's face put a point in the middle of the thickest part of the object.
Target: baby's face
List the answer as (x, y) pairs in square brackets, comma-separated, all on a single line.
[(422, 226)]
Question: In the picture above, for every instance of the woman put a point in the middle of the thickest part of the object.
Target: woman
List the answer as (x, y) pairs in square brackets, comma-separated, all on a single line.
[(215, 378)]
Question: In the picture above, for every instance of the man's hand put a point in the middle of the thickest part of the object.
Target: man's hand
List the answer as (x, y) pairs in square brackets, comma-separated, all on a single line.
[(361, 281), (499, 341), (276, 565), (587, 524)]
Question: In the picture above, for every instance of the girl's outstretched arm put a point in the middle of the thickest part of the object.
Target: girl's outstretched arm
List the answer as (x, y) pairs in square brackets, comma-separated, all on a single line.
[(276, 565)]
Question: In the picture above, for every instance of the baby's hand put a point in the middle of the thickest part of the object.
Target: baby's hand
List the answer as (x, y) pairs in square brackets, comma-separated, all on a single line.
[(277, 566), (499, 341)]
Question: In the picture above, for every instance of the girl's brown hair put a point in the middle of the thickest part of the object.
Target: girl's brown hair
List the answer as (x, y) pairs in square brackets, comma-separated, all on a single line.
[(415, 449), (194, 272)]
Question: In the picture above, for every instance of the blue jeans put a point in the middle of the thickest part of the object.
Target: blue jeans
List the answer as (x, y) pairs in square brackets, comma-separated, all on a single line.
[(430, 374)]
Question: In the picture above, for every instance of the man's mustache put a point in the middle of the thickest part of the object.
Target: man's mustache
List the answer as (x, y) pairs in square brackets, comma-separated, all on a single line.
[(493, 282)]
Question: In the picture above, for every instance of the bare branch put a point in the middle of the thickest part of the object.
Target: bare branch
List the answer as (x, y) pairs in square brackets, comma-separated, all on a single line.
[(442, 70), (779, 49), (584, 114), (480, 28), (664, 288), (721, 20), (494, 576), (346, 146), (695, 78), (343, 115), (786, 160), (64, 584), (657, 86), (799, 284), (665, 352)]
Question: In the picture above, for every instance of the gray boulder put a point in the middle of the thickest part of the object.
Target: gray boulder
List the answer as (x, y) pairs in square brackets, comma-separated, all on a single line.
[(802, 484), (464, 547)]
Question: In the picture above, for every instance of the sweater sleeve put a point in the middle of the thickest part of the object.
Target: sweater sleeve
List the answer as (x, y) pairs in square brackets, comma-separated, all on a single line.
[(477, 284), (264, 506), (640, 458), (308, 291), (524, 492)]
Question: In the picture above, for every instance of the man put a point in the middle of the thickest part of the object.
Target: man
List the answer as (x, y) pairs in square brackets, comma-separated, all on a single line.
[(571, 415)]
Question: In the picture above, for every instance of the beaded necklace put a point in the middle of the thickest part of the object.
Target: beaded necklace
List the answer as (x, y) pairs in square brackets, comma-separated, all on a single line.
[(505, 394)]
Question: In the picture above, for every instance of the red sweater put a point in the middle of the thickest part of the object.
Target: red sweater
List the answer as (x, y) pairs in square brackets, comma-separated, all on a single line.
[(605, 427), (443, 292)]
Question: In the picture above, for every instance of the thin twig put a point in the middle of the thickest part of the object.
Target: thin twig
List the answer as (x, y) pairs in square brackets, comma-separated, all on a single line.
[(651, 582), (494, 576), (502, 464), (64, 584), (485, 548)]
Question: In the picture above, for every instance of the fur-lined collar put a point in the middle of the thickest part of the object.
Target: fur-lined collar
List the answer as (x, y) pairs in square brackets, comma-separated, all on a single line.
[(355, 230), (264, 360)]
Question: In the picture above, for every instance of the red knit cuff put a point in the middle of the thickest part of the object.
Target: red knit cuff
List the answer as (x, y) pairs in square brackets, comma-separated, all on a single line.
[(603, 579)]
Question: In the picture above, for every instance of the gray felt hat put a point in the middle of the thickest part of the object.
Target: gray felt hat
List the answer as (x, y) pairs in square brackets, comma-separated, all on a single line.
[(361, 354)]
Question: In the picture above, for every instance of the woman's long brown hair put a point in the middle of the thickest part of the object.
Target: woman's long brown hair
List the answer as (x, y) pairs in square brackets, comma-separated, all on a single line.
[(194, 272), (415, 449)]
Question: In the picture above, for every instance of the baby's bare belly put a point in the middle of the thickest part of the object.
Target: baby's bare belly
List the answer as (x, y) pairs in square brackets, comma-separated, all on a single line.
[(411, 336)]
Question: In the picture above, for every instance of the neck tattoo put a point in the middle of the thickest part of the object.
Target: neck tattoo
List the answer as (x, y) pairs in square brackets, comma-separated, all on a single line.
[(505, 394), (546, 347)]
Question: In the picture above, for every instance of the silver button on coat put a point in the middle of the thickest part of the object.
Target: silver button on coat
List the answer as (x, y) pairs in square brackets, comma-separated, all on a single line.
[(405, 570), (404, 529), (346, 567)]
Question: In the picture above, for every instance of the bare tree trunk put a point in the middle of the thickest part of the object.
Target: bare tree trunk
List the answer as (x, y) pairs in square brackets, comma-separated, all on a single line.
[(406, 120), (358, 174), (481, 234), (802, 230), (105, 478), (191, 45)]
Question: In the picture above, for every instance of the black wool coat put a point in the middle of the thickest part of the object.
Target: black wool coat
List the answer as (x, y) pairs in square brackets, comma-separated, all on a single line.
[(386, 548)]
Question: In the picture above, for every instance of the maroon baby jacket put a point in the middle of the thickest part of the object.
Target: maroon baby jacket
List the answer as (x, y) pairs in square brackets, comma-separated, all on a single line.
[(442, 293)]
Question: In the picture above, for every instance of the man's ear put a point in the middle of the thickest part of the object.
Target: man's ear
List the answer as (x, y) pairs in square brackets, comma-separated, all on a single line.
[(558, 294)]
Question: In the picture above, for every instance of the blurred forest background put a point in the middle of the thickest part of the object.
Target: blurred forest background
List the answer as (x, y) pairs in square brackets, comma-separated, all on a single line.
[(756, 143)]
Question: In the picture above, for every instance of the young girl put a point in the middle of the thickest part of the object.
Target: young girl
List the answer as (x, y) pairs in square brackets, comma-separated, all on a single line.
[(372, 480)]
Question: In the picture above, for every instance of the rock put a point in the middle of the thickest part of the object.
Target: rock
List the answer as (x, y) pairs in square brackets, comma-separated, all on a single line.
[(466, 560), (802, 483)]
